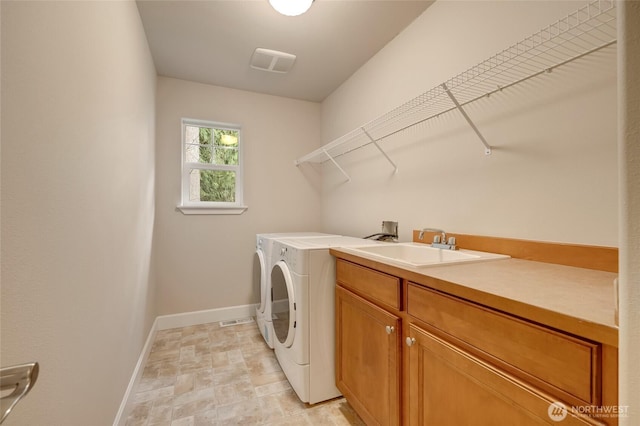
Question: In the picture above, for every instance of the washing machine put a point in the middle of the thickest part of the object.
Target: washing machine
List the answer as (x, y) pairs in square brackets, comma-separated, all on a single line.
[(262, 262), (303, 307)]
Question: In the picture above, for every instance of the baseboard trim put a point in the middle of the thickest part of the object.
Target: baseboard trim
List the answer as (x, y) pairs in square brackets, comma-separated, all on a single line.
[(186, 319), (127, 400), (165, 322)]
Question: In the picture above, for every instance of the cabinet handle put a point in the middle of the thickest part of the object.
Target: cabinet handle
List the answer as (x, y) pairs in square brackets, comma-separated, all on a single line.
[(410, 341), (390, 329)]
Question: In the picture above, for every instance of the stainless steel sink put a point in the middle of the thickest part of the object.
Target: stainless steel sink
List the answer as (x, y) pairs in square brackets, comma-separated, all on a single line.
[(416, 254)]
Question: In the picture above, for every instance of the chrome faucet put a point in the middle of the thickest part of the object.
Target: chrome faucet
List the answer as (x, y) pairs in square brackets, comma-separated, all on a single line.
[(439, 241), (444, 234)]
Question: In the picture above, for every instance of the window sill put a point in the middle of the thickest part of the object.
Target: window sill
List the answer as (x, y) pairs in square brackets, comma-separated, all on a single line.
[(211, 210)]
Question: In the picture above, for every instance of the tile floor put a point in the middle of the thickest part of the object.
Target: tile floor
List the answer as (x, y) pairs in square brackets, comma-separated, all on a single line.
[(212, 375)]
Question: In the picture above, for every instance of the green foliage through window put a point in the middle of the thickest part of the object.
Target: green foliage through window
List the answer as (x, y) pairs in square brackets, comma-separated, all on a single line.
[(211, 163), (218, 185)]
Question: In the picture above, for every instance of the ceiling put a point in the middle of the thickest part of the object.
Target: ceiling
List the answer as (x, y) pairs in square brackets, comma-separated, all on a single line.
[(212, 41)]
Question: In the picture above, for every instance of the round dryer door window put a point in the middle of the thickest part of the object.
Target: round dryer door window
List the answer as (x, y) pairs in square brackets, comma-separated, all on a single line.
[(283, 304)]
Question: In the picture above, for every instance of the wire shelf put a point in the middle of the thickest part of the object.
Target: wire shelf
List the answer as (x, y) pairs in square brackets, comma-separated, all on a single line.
[(588, 29)]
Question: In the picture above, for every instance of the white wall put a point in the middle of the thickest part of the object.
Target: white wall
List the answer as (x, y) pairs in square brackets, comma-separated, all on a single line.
[(553, 173), (78, 87), (204, 261), (629, 144)]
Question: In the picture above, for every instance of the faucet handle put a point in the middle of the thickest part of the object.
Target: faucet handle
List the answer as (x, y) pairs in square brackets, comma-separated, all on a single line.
[(436, 239)]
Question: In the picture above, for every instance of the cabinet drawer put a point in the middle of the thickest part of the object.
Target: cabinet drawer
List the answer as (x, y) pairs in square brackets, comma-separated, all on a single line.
[(562, 365), (373, 285)]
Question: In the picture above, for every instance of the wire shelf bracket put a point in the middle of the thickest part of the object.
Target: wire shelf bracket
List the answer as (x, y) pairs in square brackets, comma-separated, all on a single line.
[(589, 29), (487, 147), (335, 163), (373, 141)]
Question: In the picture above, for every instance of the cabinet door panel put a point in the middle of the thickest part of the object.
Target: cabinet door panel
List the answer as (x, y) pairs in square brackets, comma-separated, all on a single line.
[(367, 358), (451, 387)]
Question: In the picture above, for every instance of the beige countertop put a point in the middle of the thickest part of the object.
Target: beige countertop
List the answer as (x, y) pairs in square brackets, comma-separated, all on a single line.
[(575, 300)]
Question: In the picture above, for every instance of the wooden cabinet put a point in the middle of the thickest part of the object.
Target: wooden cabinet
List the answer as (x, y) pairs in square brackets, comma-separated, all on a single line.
[(368, 341), (409, 354)]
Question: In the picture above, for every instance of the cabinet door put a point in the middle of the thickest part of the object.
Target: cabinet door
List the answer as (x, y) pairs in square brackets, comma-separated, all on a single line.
[(368, 341), (448, 386)]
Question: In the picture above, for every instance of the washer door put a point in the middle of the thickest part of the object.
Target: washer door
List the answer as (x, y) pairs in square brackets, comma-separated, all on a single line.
[(283, 306), (260, 279)]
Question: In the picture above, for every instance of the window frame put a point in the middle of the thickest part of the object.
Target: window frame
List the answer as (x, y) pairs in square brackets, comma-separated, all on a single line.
[(210, 207)]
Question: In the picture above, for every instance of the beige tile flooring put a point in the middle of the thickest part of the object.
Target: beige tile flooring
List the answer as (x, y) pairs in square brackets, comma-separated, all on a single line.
[(212, 375)]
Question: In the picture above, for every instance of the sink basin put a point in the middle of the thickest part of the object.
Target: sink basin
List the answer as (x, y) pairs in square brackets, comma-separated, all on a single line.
[(416, 254)]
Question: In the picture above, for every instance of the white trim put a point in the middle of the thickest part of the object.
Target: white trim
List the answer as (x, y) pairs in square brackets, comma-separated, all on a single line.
[(211, 210), (127, 400), (218, 207), (165, 322), (203, 317)]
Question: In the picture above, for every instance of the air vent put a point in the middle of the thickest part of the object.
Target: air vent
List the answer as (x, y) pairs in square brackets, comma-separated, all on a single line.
[(272, 60), (230, 323)]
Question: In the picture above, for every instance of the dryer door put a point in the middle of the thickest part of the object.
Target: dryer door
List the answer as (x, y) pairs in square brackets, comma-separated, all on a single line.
[(260, 279), (283, 306)]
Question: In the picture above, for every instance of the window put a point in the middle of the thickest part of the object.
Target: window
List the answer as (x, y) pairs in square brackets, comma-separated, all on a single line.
[(211, 168)]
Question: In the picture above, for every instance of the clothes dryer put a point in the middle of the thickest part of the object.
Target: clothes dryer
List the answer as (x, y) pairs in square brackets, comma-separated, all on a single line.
[(262, 262), (303, 308)]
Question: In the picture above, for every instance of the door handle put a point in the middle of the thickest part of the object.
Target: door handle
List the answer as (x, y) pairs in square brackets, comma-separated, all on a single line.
[(21, 379)]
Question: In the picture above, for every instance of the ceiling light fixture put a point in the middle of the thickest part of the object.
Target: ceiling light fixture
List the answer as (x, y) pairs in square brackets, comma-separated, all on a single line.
[(291, 7)]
